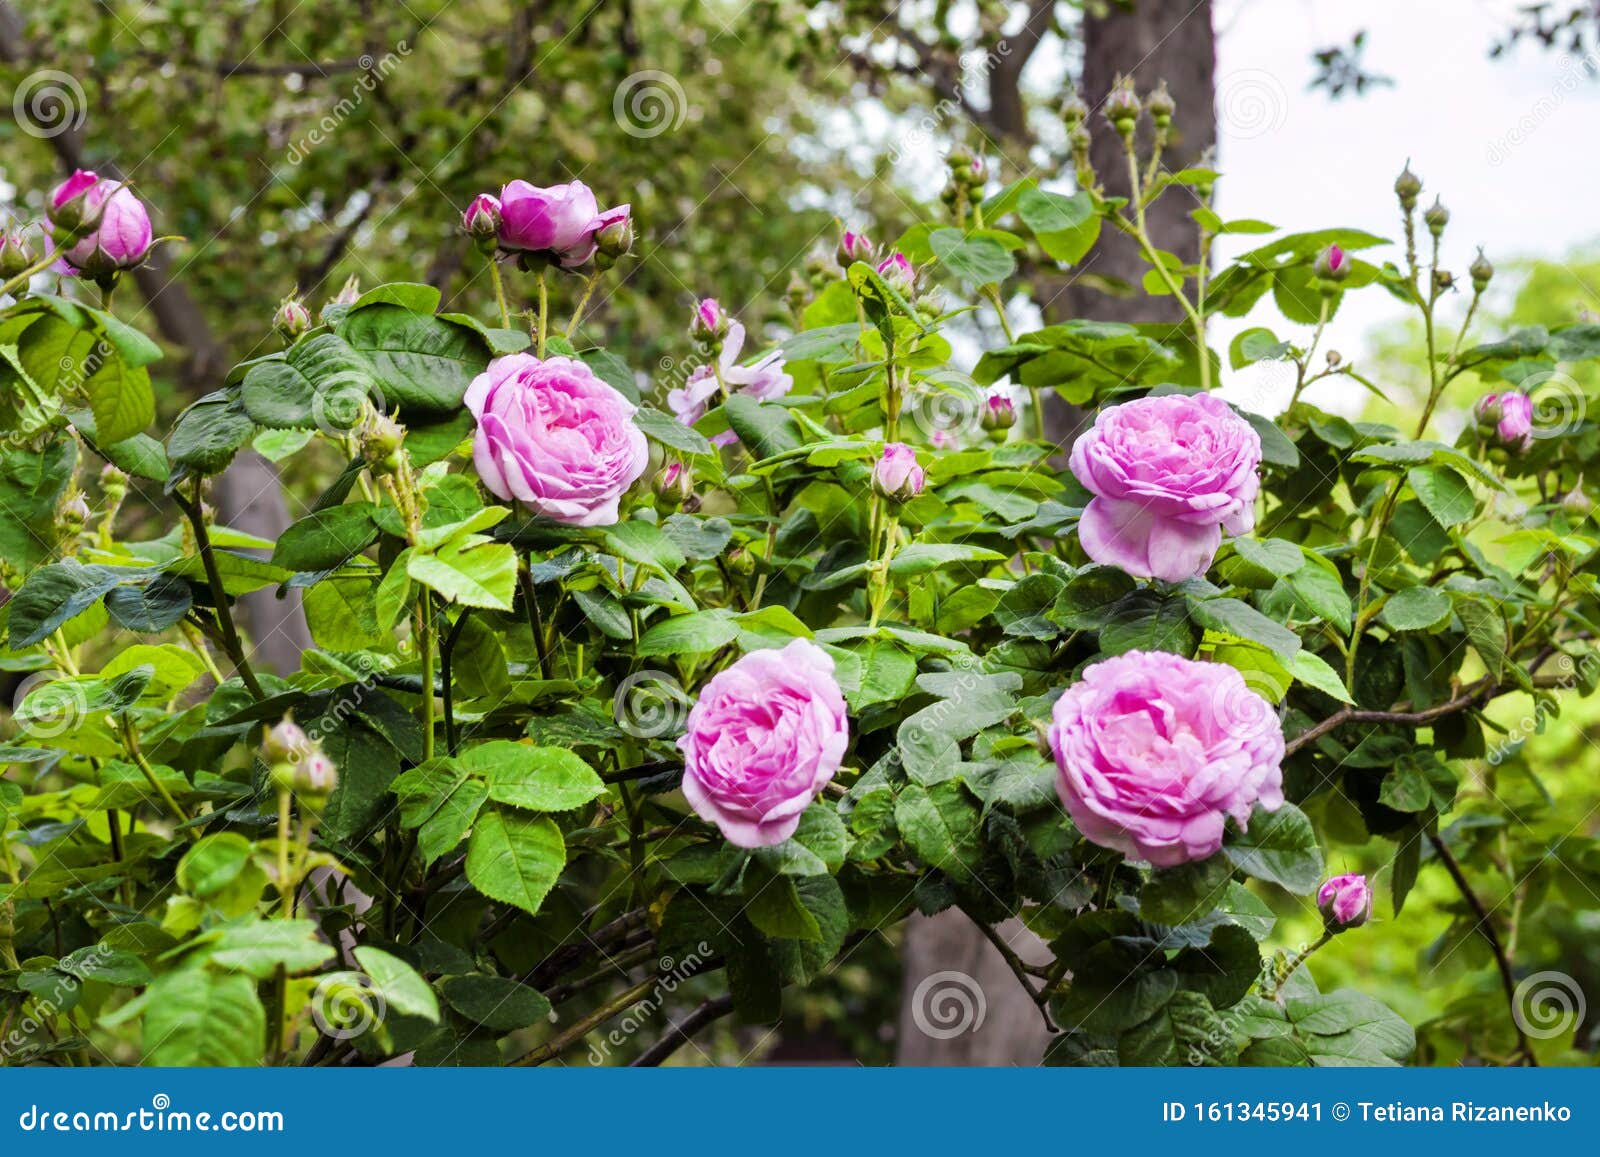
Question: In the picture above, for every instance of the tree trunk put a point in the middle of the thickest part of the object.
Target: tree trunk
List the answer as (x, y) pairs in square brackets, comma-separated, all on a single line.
[(1149, 41), (248, 496)]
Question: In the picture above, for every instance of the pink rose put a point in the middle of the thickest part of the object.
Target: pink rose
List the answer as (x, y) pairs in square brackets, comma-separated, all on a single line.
[(554, 437), (896, 475), (710, 321), (1169, 475), (560, 221), (483, 216), (897, 271), (764, 380), (1346, 901), (763, 738), (853, 247), (1510, 416), (120, 234), (1155, 751)]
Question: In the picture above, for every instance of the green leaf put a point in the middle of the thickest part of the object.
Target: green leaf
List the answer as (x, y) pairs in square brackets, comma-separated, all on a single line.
[(1445, 493), (209, 433), (423, 364), (774, 905), (644, 544), (670, 432), (213, 864), (515, 858), (1314, 671), (1347, 1026), (766, 430), (1233, 617), (1415, 609), (1272, 555), (542, 779), (472, 571), (1280, 847), (398, 984), (195, 1017), (941, 826), (693, 633), (440, 799), (974, 258), (1255, 345), (320, 383), (1186, 893), (326, 538), (1486, 630), (114, 966), (495, 1002), (259, 948), (1066, 227), (922, 557)]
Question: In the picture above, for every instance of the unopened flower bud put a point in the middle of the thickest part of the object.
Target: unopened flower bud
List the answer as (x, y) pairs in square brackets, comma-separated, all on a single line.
[(70, 206), (976, 175), (283, 741), (482, 219), (1443, 279), (74, 513), (1073, 111), (853, 247), (381, 438), (1122, 106), (1436, 217), (897, 271), (1576, 503), (960, 158), (896, 475), (1407, 187), (1334, 358), (1160, 105), (350, 294), (113, 481), (292, 319), (615, 238), (672, 485), (1505, 420), (999, 415), (1481, 272), (315, 780), (931, 303), (15, 255), (1345, 902), (709, 325), (1333, 264), (740, 561)]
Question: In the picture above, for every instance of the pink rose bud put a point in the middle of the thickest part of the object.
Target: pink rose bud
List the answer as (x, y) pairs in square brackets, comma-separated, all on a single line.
[(672, 486), (482, 218), (283, 742), (1506, 419), (897, 271), (315, 779), (1332, 264), (614, 238), (110, 225), (292, 319), (853, 247), (15, 255), (1155, 752), (763, 738), (1345, 901), (709, 323), (350, 294), (554, 437), (896, 476), (1169, 474), (999, 414)]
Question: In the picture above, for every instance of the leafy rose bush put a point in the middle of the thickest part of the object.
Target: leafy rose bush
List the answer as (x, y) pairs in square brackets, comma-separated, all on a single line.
[(623, 682)]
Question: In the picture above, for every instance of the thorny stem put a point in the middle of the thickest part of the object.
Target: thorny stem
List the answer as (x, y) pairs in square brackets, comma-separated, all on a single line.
[(544, 311), (231, 643)]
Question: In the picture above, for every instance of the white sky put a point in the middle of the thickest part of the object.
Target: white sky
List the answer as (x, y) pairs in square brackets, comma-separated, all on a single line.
[(1509, 143)]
